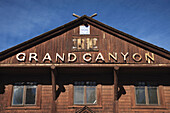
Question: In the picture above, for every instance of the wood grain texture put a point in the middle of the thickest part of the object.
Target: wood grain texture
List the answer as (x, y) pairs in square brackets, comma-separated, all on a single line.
[(106, 43), (126, 102), (131, 71)]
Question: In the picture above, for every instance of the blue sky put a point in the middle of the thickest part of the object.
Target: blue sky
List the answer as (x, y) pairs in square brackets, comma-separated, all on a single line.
[(22, 20)]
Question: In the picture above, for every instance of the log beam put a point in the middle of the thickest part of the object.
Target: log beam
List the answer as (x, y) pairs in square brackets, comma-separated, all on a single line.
[(115, 70), (85, 65), (53, 80)]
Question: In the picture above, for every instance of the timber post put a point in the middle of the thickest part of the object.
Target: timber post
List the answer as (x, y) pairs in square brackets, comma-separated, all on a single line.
[(115, 107), (53, 80)]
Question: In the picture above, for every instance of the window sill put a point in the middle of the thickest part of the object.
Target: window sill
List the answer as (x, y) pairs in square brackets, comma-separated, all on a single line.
[(148, 107), (80, 106), (23, 107)]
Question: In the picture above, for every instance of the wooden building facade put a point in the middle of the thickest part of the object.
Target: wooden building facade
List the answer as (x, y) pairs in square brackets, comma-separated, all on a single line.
[(85, 66)]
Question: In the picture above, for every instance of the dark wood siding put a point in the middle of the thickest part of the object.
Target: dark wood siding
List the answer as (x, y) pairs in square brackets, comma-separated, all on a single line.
[(62, 103)]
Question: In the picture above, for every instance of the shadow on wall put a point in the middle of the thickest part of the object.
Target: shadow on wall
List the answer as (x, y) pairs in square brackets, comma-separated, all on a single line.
[(59, 90), (121, 91)]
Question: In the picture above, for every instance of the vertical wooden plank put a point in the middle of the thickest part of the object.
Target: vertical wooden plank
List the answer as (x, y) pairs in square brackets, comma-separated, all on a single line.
[(99, 94), (71, 92), (10, 93), (39, 91)]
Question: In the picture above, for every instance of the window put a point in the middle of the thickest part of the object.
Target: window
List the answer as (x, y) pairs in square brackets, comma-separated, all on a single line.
[(146, 94), (85, 93), (24, 94)]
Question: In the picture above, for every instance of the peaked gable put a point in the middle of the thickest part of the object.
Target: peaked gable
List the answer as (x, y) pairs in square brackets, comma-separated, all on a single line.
[(85, 109), (75, 24)]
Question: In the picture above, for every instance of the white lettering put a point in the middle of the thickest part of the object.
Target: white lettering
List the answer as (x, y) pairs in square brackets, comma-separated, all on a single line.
[(33, 56), (59, 57), (124, 56), (135, 57), (22, 59), (73, 59), (111, 56), (47, 57), (87, 55), (149, 58), (99, 57)]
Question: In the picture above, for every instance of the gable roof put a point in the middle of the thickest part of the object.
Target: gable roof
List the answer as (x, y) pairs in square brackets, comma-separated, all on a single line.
[(83, 20)]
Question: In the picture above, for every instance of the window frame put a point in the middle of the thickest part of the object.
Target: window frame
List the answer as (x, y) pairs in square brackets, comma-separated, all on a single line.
[(98, 105), (147, 95), (24, 96), (161, 97), (19, 107), (85, 96)]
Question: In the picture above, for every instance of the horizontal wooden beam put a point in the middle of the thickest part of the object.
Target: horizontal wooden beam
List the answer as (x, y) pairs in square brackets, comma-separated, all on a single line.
[(85, 65)]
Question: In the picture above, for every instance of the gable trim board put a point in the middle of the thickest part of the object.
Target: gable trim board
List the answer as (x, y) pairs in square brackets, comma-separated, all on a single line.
[(83, 20), (86, 65)]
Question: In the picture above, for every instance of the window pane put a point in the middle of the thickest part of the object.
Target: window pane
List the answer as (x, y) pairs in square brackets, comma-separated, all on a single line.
[(140, 95), (78, 94), (18, 95), (152, 94), (30, 94), (91, 95)]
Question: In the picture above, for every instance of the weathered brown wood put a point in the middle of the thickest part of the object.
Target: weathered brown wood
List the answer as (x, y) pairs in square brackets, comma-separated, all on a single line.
[(115, 70), (106, 43), (76, 15), (85, 65), (53, 79), (95, 14), (106, 96)]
